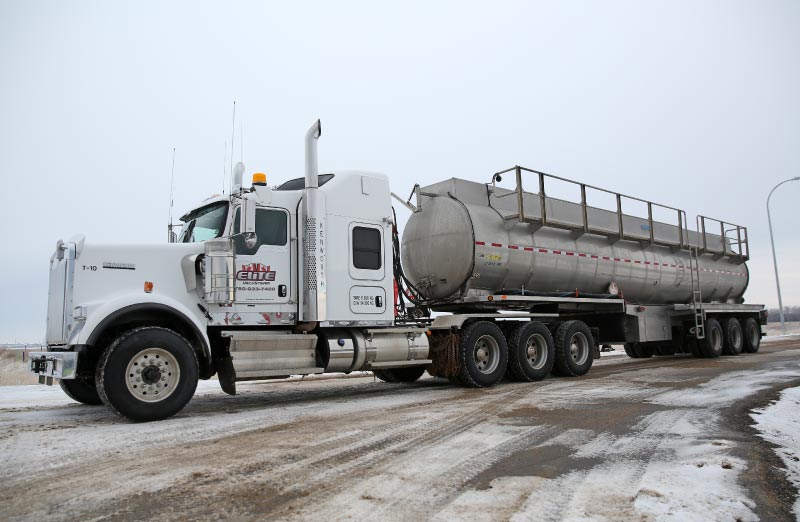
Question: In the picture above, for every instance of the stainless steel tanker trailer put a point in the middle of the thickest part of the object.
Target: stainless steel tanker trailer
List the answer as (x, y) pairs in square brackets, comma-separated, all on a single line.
[(512, 262), (309, 276)]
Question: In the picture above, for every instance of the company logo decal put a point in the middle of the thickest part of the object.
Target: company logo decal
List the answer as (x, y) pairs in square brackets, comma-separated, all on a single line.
[(255, 272)]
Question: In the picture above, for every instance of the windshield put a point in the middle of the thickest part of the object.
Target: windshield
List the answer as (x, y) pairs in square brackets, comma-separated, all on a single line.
[(204, 223)]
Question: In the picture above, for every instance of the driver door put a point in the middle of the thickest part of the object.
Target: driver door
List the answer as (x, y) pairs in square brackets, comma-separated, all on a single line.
[(263, 273)]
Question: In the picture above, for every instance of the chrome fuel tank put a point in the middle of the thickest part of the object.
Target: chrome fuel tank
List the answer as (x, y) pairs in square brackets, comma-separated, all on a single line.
[(462, 243)]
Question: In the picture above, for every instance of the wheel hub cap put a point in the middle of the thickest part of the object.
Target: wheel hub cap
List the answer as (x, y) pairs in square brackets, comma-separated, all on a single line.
[(152, 375)]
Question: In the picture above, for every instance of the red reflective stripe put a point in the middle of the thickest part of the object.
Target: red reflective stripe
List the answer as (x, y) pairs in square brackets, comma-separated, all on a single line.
[(581, 255), (496, 245), (543, 250), (639, 262), (528, 249), (556, 251), (481, 243), (513, 247), (570, 253), (606, 258), (595, 257)]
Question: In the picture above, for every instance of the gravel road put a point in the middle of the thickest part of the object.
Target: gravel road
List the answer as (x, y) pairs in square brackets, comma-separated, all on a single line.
[(660, 438)]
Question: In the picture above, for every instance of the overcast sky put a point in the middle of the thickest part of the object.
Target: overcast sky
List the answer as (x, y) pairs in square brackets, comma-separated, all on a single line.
[(695, 104)]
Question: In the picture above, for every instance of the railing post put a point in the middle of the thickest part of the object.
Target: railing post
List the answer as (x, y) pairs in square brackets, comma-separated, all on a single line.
[(722, 235), (680, 229), (585, 211), (703, 231), (739, 239), (650, 222), (619, 218), (520, 204), (746, 244), (542, 199)]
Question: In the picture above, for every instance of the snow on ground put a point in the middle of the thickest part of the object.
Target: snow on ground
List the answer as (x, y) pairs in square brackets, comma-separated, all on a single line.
[(779, 423)]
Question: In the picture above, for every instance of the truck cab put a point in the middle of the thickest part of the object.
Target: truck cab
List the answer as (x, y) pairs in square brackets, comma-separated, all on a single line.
[(264, 282)]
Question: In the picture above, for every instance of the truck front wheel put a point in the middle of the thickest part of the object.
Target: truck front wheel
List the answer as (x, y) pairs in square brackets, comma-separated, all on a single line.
[(482, 355), (147, 374), (81, 390)]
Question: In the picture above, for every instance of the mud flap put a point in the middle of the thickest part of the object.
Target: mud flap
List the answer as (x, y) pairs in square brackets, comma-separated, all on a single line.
[(226, 374)]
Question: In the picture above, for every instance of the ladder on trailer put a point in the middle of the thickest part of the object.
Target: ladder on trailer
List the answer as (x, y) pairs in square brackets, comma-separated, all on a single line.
[(698, 312)]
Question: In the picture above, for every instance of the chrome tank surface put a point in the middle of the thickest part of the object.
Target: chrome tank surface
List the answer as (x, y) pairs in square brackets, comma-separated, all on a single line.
[(459, 245)]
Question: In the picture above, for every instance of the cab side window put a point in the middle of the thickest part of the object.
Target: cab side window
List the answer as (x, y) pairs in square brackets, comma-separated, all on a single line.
[(271, 229), (366, 248)]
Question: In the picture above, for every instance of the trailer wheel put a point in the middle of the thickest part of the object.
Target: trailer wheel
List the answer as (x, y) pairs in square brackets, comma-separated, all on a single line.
[(630, 350), (574, 348), (733, 338), (531, 352), (751, 335), (81, 390), (147, 374), (400, 374), (482, 355), (711, 346)]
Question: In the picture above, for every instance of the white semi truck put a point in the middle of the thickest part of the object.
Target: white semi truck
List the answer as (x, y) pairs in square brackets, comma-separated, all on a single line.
[(310, 277)]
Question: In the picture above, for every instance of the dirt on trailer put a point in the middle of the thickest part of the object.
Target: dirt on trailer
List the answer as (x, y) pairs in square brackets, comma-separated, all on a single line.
[(635, 439)]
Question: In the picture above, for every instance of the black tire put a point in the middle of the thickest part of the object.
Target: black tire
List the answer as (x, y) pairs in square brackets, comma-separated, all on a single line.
[(144, 361), (482, 355), (643, 351), (751, 335), (630, 350), (400, 374), (733, 339), (574, 349), (531, 352), (81, 390), (383, 376), (711, 346)]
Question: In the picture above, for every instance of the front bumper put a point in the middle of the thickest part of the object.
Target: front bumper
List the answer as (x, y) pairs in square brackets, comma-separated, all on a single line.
[(53, 365)]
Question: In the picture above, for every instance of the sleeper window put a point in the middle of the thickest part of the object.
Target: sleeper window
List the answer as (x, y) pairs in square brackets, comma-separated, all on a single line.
[(367, 248)]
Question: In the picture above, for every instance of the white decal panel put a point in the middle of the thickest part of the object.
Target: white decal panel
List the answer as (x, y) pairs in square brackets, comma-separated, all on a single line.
[(367, 300)]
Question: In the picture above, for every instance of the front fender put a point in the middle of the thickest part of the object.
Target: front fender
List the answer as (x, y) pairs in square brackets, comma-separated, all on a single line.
[(98, 316)]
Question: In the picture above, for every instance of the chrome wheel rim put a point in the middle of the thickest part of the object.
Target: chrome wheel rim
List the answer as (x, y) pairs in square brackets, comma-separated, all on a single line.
[(486, 354), (536, 351), (736, 338), (152, 375), (579, 348), (754, 335), (716, 339)]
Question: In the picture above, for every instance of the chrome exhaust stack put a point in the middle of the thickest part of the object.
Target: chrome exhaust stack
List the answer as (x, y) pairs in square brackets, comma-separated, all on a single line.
[(314, 247)]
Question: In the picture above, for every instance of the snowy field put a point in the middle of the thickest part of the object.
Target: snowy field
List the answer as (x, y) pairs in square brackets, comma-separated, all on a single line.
[(667, 438)]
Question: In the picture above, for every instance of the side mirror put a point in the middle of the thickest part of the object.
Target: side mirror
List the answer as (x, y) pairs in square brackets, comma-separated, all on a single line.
[(247, 222)]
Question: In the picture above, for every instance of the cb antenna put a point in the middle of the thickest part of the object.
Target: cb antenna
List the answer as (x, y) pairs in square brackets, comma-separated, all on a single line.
[(171, 191), (224, 160)]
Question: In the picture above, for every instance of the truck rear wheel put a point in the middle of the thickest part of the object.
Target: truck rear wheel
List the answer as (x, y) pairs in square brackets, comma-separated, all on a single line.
[(147, 374), (400, 374), (751, 335), (81, 390), (711, 346), (630, 350), (482, 355), (574, 349), (732, 336), (643, 351), (531, 352)]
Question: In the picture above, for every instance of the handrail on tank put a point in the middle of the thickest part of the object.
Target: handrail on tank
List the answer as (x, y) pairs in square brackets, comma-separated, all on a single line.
[(683, 231), (727, 243)]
